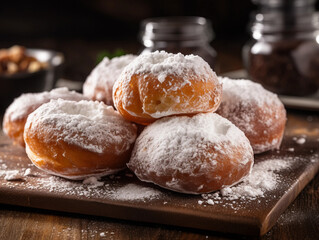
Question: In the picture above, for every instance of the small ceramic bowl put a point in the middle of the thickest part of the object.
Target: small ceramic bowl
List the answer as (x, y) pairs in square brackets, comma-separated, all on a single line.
[(12, 86)]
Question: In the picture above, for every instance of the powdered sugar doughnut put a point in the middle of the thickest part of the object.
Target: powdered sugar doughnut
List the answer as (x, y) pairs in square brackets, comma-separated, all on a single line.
[(99, 84), (162, 84), (17, 113), (256, 111), (78, 139), (197, 154)]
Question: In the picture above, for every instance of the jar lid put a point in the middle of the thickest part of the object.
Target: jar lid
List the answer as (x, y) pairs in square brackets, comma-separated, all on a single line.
[(285, 17), (176, 29), (285, 20)]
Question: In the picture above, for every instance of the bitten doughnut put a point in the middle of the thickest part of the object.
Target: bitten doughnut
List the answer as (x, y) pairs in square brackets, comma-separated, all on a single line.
[(78, 139), (256, 111), (99, 84), (162, 84), (17, 113), (197, 154)]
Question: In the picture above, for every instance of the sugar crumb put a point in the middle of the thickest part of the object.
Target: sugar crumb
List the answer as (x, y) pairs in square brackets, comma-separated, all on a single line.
[(300, 140), (12, 175), (28, 172), (93, 181)]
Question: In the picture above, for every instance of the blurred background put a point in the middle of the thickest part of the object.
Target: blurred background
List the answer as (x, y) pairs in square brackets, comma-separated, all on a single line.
[(82, 29)]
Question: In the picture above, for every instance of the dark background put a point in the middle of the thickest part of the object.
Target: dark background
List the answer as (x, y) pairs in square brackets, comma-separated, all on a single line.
[(113, 19), (81, 29)]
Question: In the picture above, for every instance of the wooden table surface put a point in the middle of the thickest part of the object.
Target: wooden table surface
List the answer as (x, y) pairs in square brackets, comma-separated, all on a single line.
[(299, 221)]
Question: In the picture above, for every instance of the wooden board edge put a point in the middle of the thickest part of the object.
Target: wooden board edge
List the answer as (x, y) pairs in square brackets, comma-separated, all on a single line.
[(271, 218), (147, 214)]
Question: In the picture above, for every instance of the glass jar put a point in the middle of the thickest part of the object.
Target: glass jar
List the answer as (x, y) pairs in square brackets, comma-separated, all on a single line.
[(283, 54), (187, 35)]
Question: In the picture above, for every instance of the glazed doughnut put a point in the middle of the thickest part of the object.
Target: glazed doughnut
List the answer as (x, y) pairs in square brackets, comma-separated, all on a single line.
[(99, 84), (197, 154), (17, 113), (256, 111), (76, 140), (162, 84)]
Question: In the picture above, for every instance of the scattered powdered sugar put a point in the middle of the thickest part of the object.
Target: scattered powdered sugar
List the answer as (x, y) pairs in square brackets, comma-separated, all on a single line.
[(67, 187), (90, 187), (93, 181), (180, 145), (132, 191), (99, 84), (263, 178), (89, 125), (257, 112), (28, 102)]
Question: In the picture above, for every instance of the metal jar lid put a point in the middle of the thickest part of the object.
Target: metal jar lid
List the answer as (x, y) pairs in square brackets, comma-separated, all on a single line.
[(176, 29)]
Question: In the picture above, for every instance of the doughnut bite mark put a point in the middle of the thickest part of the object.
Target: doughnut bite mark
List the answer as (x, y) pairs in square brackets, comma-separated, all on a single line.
[(197, 154), (256, 111), (78, 139), (162, 84), (99, 84), (17, 113)]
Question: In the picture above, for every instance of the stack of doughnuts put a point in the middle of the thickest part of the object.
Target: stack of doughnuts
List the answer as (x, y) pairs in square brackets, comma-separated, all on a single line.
[(185, 147), (200, 136)]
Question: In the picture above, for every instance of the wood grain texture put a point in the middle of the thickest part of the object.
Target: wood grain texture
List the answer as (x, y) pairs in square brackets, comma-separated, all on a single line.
[(180, 210), (299, 221)]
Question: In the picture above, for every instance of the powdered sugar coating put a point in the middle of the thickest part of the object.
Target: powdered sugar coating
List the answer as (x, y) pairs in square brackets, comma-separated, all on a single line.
[(17, 113), (99, 84), (86, 124), (28, 102), (188, 154), (180, 85), (162, 64), (256, 111)]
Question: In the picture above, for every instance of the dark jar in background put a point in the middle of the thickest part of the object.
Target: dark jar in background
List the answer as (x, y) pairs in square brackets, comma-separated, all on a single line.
[(283, 54), (187, 35)]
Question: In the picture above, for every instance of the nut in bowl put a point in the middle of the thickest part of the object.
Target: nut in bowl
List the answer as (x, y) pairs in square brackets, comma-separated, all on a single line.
[(27, 70)]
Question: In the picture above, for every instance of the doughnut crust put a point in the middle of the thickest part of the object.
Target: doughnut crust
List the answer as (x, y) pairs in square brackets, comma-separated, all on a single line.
[(162, 84), (78, 139), (99, 84), (197, 154), (17, 113), (256, 111)]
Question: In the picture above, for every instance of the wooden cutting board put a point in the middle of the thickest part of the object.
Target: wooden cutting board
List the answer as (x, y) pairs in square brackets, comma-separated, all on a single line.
[(149, 203)]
